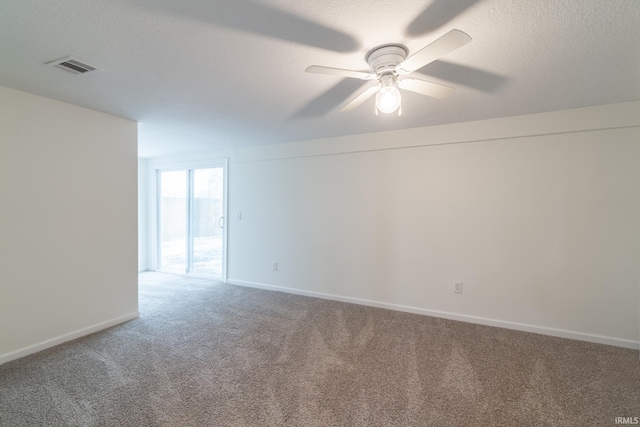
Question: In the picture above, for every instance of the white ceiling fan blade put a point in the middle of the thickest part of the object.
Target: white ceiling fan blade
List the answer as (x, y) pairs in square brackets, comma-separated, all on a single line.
[(445, 44), (318, 69), (424, 87), (366, 94)]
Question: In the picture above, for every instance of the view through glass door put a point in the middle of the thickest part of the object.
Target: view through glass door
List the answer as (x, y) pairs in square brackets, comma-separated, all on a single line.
[(191, 235)]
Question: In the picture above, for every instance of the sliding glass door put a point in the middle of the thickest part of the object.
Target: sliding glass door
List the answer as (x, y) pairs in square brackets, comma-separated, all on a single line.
[(207, 219), (173, 221), (191, 235)]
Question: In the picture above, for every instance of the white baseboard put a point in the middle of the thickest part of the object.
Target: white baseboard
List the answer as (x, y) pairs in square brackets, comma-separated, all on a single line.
[(543, 330), (7, 357)]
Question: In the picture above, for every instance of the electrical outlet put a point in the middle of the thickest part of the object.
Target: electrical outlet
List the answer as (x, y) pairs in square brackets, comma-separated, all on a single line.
[(274, 266), (239, 215), (457, 287)]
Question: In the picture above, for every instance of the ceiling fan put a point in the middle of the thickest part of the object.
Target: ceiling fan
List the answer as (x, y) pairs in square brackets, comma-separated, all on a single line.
[(389, 64)]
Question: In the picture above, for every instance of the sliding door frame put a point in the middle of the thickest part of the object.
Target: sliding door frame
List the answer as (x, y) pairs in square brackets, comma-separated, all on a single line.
[(188, 167)]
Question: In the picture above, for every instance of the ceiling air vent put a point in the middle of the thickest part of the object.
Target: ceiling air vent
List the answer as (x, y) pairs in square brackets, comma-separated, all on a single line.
[(71, 65)]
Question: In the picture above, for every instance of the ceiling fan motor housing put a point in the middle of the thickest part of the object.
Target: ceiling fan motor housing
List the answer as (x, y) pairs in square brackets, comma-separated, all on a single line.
[(383, 59)]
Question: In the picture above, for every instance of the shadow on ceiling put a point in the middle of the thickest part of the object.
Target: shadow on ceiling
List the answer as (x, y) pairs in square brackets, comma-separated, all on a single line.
[(436, 15), (462, 75), (329, 100), (253, 17)]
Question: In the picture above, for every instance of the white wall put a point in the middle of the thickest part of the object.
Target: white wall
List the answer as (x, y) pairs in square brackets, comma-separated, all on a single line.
[(68, 222), (538, 215)]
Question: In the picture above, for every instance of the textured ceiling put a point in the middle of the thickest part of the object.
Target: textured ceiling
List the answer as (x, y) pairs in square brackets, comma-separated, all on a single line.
[(215, 74)]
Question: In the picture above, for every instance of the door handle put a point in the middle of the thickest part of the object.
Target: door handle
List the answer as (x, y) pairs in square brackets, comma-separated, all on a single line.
[(221, 222)]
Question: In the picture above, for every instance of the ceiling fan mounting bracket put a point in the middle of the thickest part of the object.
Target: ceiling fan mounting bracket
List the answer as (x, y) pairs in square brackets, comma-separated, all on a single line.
[(383, 59)]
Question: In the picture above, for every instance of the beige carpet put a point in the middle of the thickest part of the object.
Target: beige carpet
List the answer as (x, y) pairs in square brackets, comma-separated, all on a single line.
[(206, 354)]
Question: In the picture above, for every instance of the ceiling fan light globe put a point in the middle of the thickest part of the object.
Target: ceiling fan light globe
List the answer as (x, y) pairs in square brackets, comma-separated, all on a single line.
[(388, 99)]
